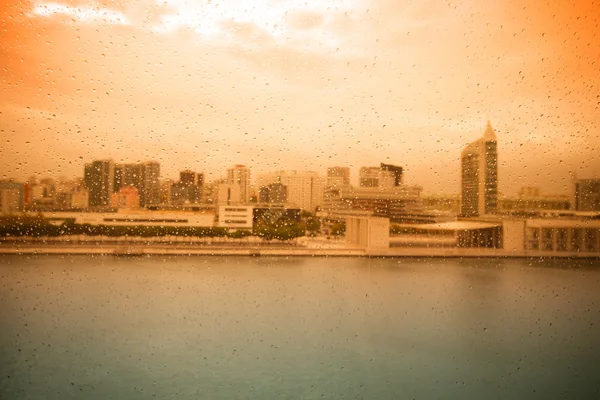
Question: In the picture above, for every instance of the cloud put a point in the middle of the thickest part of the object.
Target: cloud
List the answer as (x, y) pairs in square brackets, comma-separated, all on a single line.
[(80, 14), (286, 21), (297, 83), (305, 20)]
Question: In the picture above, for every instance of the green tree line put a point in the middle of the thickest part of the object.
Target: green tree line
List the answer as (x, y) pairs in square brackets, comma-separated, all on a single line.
[(39, 226)]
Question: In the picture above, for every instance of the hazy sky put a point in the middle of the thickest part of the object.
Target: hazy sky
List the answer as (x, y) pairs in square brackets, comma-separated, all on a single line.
[(302, 84)]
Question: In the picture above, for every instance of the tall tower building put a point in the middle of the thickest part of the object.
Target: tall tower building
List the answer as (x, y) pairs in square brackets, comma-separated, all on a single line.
[(479, 175), (98, 179), (240, 175), (149, 189), (127, 175)]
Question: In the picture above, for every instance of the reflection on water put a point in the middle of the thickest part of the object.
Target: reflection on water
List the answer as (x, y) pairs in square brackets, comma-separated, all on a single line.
[(239, 327)]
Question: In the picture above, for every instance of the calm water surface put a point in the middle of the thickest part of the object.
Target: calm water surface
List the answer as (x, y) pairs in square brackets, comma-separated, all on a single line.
[(298, 328)]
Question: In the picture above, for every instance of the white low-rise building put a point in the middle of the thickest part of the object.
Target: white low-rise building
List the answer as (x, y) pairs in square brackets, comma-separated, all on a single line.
[(563, 235), (236, 217), (141, 218)]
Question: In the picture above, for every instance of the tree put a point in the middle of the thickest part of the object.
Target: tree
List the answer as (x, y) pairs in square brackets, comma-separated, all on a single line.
[(239, 234), (280, 230), (310, 223), (338, 228)]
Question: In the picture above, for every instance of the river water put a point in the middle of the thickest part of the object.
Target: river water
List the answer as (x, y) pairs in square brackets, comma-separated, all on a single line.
[(298, 328)]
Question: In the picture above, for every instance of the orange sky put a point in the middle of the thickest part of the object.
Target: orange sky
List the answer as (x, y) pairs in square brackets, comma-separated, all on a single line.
[(302, 84)]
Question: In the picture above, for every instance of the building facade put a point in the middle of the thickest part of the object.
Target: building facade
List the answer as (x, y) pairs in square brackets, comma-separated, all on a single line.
[(11, 197), (396, 172), (563, 235), (532, 204), (236, 217), (587, 195), (274, 193), (240, 175), (367, 232), (80, 199), (479, 175), (229, 194), (145, 177), (304, 188), (188, 177), (99, 179), (149, 189), (188, 190), (375, 177), (127, 175), (337, 176), (127, 197), (396, 203), (137, 218)]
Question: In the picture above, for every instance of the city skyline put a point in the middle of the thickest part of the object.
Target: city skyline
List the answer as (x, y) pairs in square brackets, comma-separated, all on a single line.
[(354, 179), (348, 83)]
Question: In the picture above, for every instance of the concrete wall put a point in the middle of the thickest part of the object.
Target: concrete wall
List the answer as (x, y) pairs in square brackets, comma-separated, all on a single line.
[(370, 233), (379, 233), (513, 234)]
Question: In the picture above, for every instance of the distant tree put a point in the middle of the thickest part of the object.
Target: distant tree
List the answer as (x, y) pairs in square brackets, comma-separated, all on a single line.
[(338, 229), (39, 226), (310, 223), (238, 234), (286, 230)]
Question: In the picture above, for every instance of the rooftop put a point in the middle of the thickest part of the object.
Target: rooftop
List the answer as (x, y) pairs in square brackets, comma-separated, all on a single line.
[(489, 135), (453, 226)]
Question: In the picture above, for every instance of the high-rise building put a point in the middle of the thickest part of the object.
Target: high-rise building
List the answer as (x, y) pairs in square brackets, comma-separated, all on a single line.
[(587, 195), (188, 177), (189, 188), (98, 179), (11, 197), (337, 176), (127, 175), (210, 192), (165, 191), (240, 175), (118, 177), (304, 188), (43, 192), (479, 175), (229, 194), (149, 189), (376, 177), (396, 172), (179, 194), (145, 177), (274, 193)]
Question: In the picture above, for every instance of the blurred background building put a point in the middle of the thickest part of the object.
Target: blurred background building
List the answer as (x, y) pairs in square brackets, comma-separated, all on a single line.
[(479, 175), (303, 189), (587, 195)]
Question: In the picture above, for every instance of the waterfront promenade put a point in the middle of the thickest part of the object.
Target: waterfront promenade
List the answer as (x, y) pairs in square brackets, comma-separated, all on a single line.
[(318, 247)]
